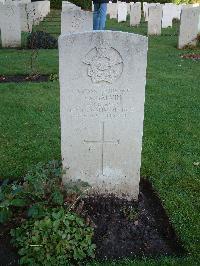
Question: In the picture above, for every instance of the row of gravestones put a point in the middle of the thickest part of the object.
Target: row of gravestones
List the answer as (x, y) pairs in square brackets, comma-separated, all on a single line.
[(161, 16), (18, 16)]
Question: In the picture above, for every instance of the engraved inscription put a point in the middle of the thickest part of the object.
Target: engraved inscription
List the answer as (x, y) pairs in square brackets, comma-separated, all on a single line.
[(104, 63), (103, 103), (102, 142)]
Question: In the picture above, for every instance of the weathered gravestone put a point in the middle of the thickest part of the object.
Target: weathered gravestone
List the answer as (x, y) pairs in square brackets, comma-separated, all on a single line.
[(188, 27), (145, 10), (102, 81), (76, 21), (122, 11), (113, 11), (128, 8), (167, 15), (109, 5), (25, 17), (41, 9), (67, 6), (135, 14), (154, 20), (10, 26), (176, 11)]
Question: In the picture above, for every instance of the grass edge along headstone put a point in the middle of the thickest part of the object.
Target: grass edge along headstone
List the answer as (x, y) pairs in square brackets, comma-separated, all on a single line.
[(102, 94)]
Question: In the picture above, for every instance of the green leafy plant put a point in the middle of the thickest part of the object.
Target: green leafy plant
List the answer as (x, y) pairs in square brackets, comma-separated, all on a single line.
[(10, 197), (53, 77), (41, 39), (41, 189), (60, 238)]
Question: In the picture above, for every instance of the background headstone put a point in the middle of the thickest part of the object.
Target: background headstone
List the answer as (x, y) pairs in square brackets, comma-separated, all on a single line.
[(113, 11), (135, 14), (188, 26), (76, 21), (154, 20), (25, 17), (145, 10), (67, 6), (10, 26), (102, 80), (122, 11), (167, 15)]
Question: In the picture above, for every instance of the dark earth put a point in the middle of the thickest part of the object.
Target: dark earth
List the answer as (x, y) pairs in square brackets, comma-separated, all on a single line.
[(122, 228), (24, 78), (191, 56)]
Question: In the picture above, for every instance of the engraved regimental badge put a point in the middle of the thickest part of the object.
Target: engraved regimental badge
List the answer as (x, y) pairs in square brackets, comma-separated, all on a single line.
[(104, 63)]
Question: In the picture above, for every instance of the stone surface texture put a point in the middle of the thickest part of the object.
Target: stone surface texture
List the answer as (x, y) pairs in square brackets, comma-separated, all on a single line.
[(10, 26), (122, 11), (67, 6), (102, 83), (113, 11), (25, 18), (76, 21), (167, 16), (154, 20), (188, 27), (135, 14)]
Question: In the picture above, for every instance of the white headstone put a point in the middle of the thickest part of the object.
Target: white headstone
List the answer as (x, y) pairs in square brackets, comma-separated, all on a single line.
[(167, 15), (109, 6), (188, 27), (113, 11), (10, 26), (176, 10), (67, 6), (145, 10), (128, 8), (102, 81), (76, 21), (38, 11), (170, 12), (26, 22), (135, 14), (154, 20), (42, 10), (122, 11)]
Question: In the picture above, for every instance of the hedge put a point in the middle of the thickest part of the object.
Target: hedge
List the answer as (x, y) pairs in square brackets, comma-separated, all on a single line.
[(86, 4)]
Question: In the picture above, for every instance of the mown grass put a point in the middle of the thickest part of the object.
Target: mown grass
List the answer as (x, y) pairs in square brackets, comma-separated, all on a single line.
[(29, 119), (30, 132)]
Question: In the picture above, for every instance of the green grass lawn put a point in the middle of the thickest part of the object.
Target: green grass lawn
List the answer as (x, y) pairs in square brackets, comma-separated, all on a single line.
[(30, 128)]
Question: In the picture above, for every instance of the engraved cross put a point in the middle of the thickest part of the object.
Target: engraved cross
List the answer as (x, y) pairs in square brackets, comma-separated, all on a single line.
[(102, 142)]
